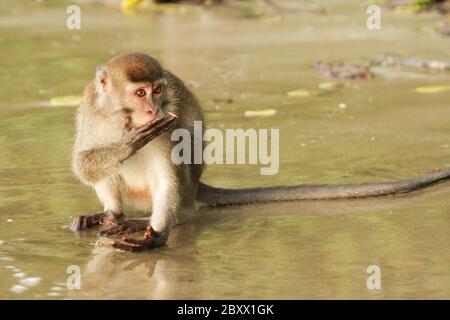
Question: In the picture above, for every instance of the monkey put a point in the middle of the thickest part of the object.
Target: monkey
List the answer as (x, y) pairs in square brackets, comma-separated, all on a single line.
[(118, 153), (123, 146)]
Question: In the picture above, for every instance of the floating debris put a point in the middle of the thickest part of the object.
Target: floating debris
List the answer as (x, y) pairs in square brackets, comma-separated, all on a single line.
[(412, 63), (129, 5), (301, 93), (343, 71), (432, 89), (56, 288), (20, 275), (9, 220), (2, 242), (342, 106), (299, 8), (324, 87), (418, 6), (31, 281), (53, 294), (132, 7), (260, 113), (400, 73), (66, 101), (330, 85), (6, 258), (408, 9), (17, 288)]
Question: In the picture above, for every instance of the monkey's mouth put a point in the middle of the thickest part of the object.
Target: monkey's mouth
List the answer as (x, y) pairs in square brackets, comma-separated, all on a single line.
[(159, 124)]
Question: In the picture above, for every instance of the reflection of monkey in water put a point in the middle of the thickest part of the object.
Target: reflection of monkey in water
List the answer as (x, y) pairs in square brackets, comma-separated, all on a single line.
[(123, 150)]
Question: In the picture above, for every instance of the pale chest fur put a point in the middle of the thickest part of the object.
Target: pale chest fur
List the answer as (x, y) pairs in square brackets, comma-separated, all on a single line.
[(144, 173)]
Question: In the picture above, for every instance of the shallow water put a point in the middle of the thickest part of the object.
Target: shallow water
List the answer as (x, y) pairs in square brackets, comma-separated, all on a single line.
[(286, 250)]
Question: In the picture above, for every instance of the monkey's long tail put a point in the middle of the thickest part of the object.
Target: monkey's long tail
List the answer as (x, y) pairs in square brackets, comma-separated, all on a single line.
[(215, 197)]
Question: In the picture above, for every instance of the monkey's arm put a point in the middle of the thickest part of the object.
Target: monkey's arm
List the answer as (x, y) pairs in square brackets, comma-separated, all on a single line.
[(95, 164)]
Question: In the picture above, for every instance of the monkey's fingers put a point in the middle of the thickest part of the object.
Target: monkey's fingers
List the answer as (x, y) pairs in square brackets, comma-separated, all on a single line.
[(151, 124), (164, 126), (171, 123), (160, 125), (153, 128), (155, 123), (144, 137)]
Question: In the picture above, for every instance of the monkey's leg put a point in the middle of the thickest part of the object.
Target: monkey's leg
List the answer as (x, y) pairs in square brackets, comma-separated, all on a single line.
[(114, 222), (161, 221)]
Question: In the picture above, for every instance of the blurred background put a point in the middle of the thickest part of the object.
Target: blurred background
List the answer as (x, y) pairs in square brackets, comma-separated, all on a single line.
[(352, 105)]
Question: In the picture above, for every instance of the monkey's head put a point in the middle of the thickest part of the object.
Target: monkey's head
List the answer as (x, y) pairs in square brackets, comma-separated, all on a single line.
[(133, 84)]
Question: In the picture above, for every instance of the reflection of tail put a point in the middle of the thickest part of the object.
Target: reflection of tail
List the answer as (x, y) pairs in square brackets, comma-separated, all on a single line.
[(212, 197)]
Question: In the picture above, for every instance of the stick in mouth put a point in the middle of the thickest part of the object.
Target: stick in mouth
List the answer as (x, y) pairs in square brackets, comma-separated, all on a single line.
[(173, 115)]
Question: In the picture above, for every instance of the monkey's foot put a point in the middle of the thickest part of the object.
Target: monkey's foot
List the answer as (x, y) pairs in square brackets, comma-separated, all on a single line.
[(83, 222), (152, 239), (119, 226)]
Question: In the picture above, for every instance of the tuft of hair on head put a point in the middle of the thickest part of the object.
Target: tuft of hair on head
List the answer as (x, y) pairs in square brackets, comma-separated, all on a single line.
[(138, 67)]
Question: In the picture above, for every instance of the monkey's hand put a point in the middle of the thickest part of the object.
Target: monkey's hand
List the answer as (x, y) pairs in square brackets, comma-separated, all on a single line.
[(135, 138), (152, 239)]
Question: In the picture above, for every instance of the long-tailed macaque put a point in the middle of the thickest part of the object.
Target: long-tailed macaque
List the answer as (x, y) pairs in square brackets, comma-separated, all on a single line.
[(123, 150)]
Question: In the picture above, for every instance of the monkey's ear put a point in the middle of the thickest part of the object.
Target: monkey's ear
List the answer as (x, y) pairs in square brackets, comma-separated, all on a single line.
[(101, 80)]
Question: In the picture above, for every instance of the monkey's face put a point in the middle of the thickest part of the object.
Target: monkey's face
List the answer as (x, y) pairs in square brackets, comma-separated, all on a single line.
[(142, 102), (133, 84)]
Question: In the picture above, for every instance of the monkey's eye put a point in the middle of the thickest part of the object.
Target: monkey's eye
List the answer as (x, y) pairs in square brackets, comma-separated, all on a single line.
[(158, 89), (140, 93)]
